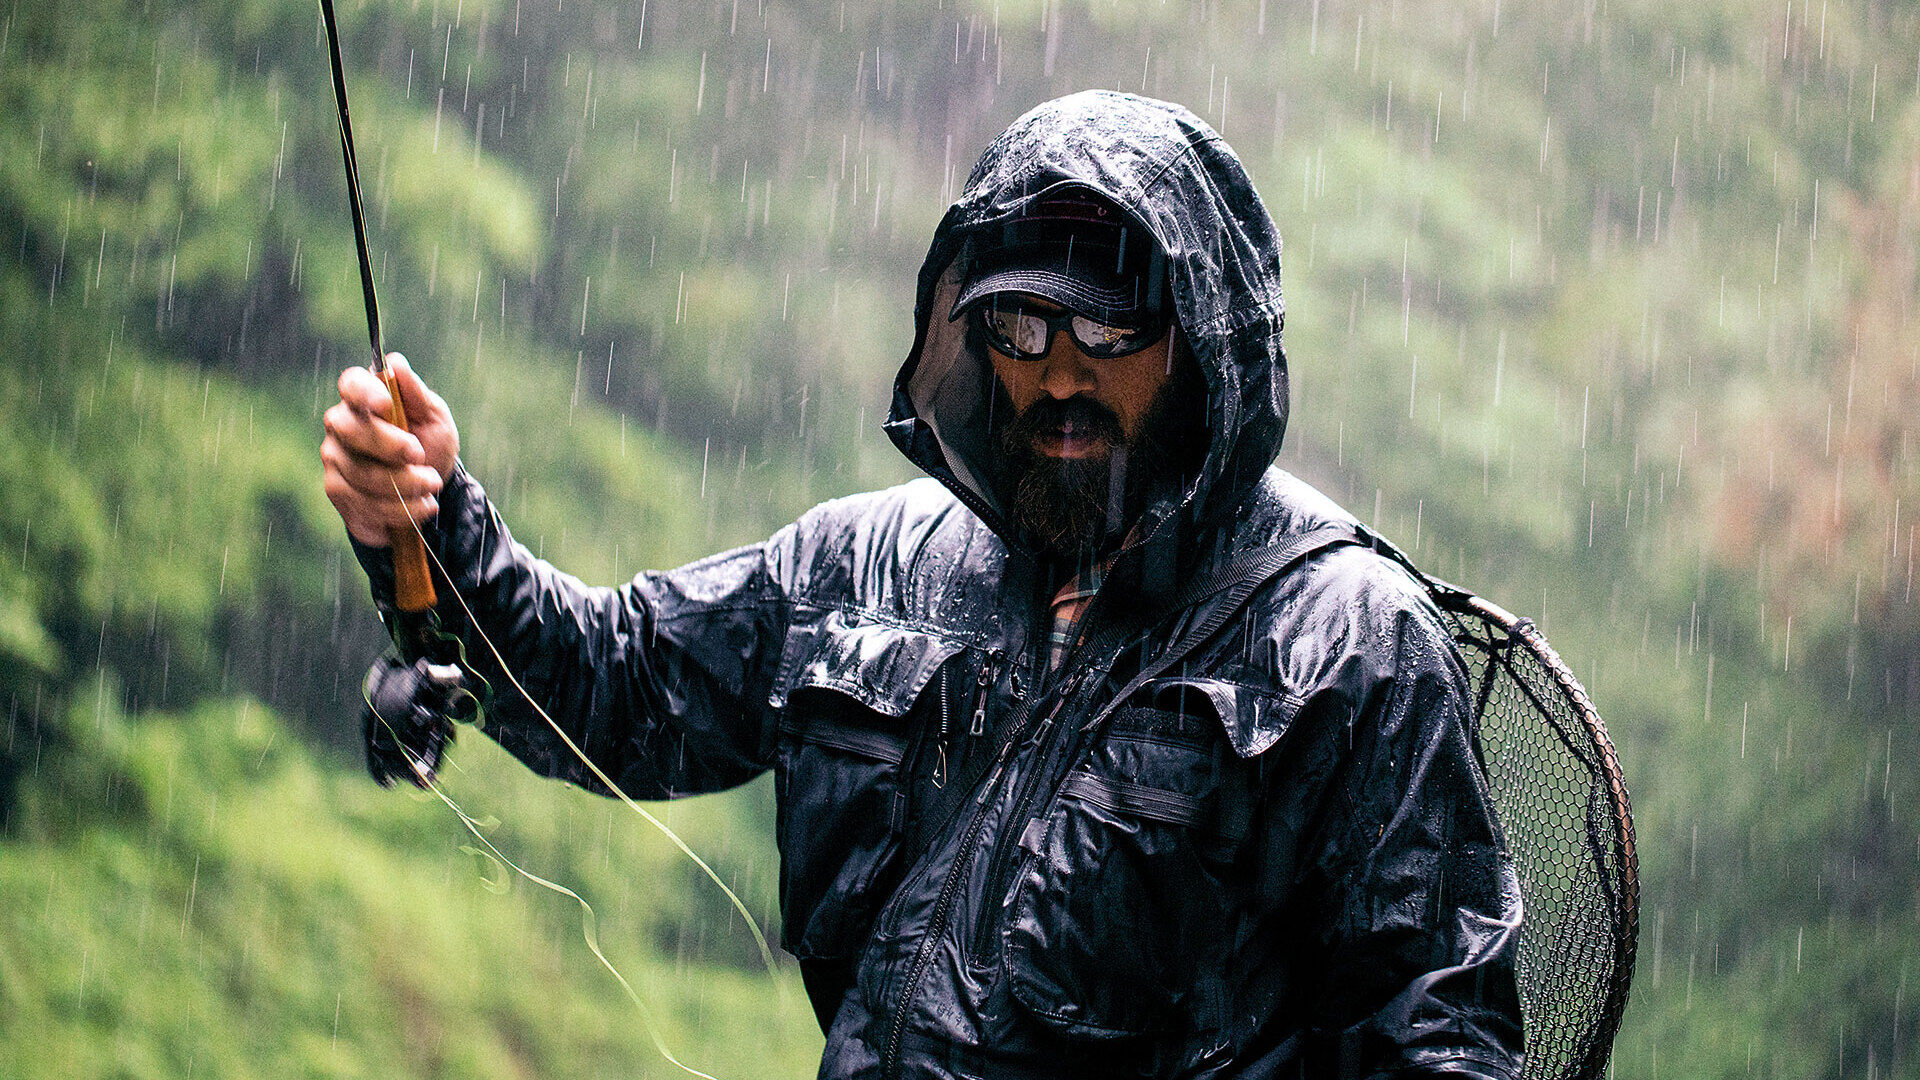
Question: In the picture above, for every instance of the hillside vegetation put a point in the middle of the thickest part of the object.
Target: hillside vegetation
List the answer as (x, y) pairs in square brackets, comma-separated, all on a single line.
[(1603, 309)]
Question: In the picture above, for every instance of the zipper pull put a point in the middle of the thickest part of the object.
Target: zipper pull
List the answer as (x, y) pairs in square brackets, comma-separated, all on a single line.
[(980, 699), (1040, 730), (1046, 722)]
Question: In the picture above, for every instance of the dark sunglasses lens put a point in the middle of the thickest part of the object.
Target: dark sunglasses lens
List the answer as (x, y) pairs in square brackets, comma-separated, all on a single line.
[(1017, 333), (1099, 339)]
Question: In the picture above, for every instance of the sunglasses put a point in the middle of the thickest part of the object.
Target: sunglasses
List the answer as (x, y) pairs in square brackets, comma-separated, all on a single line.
[(1022, 334)]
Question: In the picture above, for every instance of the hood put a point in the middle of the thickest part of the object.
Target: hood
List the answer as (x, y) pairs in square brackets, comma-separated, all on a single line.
[(1181, 182)]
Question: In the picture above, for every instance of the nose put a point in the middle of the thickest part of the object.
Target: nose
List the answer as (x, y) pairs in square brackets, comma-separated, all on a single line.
[(1064, 370)]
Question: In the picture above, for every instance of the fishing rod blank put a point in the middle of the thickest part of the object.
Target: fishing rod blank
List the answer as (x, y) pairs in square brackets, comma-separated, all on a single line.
[(413, 585)]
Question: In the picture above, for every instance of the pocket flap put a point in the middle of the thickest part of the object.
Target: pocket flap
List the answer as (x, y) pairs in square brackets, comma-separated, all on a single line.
[(1253, 718), (882, 666)]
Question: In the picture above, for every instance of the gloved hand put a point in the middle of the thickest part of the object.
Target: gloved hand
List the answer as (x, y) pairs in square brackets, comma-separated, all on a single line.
[(408, 719)]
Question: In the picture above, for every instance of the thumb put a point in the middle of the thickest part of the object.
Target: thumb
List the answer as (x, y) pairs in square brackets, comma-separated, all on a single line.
[(428, 417), (422, 404)]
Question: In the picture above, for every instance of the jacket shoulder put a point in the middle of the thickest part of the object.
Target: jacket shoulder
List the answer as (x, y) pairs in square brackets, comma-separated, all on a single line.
[(893, 553), (1353, 581), (1339, 629), (914, 503)]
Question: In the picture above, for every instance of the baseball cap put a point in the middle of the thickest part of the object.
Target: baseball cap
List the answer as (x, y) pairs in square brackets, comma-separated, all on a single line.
[(1077, 250)]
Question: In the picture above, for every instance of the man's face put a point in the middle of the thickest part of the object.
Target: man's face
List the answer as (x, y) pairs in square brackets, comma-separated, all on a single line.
[(1125, 386), (1089, 439)]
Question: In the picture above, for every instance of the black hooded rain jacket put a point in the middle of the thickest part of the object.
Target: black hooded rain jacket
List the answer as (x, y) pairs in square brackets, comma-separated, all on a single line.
[(1241, 834)]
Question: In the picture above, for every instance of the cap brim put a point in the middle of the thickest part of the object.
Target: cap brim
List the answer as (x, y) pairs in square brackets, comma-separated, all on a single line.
[(1117, 303), (1103, 269)]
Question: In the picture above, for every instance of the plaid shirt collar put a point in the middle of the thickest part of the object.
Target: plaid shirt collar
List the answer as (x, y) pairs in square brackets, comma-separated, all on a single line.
[(1070, 606), (1076, 593)]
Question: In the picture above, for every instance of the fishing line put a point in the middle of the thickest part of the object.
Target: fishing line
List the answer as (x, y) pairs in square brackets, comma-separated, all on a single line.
[(589, 922), (753, 926)]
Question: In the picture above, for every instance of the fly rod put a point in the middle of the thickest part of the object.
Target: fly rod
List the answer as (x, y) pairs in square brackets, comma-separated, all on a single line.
[(413, 585)]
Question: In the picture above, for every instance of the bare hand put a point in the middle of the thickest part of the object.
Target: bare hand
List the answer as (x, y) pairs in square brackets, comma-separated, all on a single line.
[(381, 479)]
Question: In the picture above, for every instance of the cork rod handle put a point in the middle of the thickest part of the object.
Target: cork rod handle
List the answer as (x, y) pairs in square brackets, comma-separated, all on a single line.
[(413, 585)]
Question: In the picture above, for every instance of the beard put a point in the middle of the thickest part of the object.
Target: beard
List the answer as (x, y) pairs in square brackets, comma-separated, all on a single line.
[(1077, 507)]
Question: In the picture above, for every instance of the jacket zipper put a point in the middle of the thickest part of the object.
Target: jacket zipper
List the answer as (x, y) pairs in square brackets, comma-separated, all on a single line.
[(978, 724), (950, 888), (942, 729), (1009, 841), (999, 866), (946, 702)]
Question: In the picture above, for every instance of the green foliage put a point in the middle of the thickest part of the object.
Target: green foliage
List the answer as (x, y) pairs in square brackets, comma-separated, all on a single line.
[(209, 899), (144, 499)]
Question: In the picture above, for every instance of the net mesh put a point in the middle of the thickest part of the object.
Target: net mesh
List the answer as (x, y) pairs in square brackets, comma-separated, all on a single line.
[(1558, 793)]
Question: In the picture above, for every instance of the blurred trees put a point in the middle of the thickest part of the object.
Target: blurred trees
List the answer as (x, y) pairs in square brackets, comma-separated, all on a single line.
[(1602, 309)]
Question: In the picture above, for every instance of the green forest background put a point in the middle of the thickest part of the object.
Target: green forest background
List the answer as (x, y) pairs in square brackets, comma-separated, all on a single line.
[(1602, 308)]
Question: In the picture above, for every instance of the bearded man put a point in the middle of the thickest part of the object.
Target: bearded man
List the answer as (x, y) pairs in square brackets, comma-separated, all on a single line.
[(1108, 749)]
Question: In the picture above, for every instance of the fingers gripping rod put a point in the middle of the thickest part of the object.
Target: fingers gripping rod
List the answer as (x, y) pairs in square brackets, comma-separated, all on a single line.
[(413, 585)]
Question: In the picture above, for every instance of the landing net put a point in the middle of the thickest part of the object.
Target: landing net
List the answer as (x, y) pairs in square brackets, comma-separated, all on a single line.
[(1560, 799)]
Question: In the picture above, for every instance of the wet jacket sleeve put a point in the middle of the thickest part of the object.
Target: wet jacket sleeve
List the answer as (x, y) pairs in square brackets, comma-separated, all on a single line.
[(661, 682), (1410, 909)]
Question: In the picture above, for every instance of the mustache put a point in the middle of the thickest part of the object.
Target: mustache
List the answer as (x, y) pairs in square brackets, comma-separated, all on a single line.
[(1078, 415)]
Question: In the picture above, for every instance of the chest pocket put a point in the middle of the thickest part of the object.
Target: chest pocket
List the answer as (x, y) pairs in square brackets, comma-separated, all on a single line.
[(1127, 900), (846, 730)]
